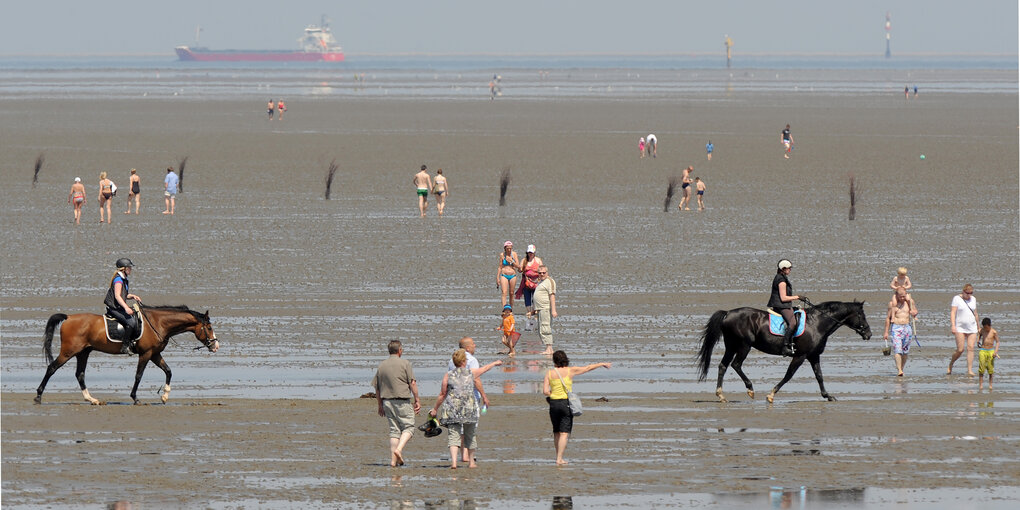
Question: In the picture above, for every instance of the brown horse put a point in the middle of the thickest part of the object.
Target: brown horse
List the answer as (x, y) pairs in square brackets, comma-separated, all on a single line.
[(82, 333)]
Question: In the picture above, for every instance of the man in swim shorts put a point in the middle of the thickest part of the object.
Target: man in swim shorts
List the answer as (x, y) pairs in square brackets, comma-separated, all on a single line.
[(685, 188), (699, 185), (897, 324), (423, 183), (988, 340)]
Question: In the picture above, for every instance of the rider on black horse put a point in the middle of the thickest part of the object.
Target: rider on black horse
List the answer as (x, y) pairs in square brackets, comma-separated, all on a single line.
[(782, 300), (117, 306)]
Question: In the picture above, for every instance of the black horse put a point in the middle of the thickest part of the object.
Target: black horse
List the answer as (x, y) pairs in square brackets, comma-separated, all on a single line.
[(743, 328)]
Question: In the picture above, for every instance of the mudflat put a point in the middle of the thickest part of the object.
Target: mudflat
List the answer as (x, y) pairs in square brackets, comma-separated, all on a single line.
[(233, 452)]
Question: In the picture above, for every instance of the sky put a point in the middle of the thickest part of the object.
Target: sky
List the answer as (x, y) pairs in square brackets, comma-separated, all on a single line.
[(104, 27)]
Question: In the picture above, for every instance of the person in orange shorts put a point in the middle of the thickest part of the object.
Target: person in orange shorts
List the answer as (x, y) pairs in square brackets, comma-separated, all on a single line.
[(509, 330)]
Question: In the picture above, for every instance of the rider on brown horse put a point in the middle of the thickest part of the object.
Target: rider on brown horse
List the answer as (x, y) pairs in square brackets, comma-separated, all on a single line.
[(781, 301), (117, 307)]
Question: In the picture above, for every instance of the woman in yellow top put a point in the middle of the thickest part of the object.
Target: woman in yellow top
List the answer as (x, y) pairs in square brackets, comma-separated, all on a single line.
[(555, 393)]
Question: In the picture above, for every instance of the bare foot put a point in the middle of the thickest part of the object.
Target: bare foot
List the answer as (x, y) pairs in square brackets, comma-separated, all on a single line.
[(166, 212), (899, 374), (453, 466), (949, 371), (400, 458), (561, 463), (970, 374), (472, 465)]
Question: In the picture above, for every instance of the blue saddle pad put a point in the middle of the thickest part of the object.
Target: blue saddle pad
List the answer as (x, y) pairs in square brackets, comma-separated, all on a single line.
[(777, 326)]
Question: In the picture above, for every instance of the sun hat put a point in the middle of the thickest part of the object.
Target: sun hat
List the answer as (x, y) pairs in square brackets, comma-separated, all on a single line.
[(77, 179), (508, 243), (508, 307), (784, 264), (531, 249)]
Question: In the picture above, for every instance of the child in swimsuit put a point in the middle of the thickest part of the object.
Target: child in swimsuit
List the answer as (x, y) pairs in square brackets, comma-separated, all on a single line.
[(988, 341), (509, 330)]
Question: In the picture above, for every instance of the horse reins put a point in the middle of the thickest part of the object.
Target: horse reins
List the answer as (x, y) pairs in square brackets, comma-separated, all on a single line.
[(859, 331), (206, 343)]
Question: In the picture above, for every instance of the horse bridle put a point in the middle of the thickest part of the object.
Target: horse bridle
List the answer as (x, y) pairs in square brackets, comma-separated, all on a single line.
[(858, 330), (207, 343)]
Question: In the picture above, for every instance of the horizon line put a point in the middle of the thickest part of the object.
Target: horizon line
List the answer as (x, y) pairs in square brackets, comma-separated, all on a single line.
[(563, 54)]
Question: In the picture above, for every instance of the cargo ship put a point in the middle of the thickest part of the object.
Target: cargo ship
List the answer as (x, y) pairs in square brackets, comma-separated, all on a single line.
[(317, 45)]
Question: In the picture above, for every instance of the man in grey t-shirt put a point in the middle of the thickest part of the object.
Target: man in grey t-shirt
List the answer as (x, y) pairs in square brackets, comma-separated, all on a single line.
[(395, 387)]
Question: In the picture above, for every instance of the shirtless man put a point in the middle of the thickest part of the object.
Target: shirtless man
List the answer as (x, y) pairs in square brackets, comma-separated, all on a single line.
[(988, 342), (787, 141), (652, 145), (897, 322), (423, 182), (685, 186)]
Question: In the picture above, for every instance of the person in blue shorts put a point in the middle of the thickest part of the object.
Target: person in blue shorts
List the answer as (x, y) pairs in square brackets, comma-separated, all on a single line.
[(170, 182)]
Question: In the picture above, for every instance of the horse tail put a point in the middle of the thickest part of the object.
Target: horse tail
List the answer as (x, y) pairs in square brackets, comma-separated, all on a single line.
[(711, 334), (51, 326)]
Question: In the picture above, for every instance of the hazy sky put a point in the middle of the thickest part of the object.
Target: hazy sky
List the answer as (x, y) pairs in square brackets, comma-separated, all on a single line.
[(47, 27)]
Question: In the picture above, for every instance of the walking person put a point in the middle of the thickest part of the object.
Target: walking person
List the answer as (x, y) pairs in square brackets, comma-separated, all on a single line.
[(441, 189), (461, 410), (897, 323), (106, 190), (529, 281), (709, 148), (641, 147), (170, 183), (988, 341), (270, 108), (963, 320), (396, 392), (685, 187), (468, 345), (506, 274), (423, 183), (557, 383), (787, 140), (545, 305), (77, 198), (135, 190), (280, 107), (699, 186), (651, 145)]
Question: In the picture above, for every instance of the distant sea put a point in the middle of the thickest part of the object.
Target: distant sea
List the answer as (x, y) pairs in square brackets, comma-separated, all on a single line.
[(532, 77)]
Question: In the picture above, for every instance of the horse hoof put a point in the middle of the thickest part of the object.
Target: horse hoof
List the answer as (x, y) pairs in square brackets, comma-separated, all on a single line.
[(164, 398), (95, 402), (750, 393), (830, 398), (722, 399), (138, 402), (38, 399), (770, 397)]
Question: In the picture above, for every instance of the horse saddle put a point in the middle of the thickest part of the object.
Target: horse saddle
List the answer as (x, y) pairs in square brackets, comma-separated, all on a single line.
[(115, 330), (777, 326)]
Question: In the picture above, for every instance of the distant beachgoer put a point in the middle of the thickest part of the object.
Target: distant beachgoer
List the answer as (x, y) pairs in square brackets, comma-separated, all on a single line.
[(395, 386), (685, 187), (988, 340), (906, 92), (555, 386), (77, 198), (781, 300), (787, 140), (641, 147), (545, 305), (915, 96), (506, 274), (106, 188), (963, 320), (699, 185), (529, 271), (423, 184), (507, 328), (170, 184), (461, 410), (281, 108), (492, 89), (270, 108), (442, 190), (709, 148), (897, 324), (651, 145), (135, 190)]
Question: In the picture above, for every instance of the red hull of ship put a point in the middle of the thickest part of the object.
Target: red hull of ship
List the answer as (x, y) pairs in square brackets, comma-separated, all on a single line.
[(187, 54)]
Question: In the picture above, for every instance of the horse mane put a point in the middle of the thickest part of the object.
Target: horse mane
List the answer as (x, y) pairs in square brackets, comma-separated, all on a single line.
[(175, 308)]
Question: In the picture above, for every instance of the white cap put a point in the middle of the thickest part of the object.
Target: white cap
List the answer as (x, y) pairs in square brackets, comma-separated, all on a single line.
[(784, 264), (77, 179), (531, 249)]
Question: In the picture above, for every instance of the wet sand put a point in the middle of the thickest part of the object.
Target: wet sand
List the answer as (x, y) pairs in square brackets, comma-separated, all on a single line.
[(304, 293), (225, 452)]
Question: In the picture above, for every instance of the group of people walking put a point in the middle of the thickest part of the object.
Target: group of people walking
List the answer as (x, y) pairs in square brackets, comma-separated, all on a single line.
[(424, 185), (528, 278), (107, 190), (462, 401)]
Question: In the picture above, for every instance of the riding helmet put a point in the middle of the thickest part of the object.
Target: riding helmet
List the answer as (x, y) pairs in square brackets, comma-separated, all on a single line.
[(783, 264), (124, 262)]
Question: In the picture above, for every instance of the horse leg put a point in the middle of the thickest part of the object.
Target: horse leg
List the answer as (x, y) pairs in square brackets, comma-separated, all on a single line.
[(738, 362), (79, 373), (723, 365), (157, 359), (794, 365), (816, 365), (57, 363), (143, 360)]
